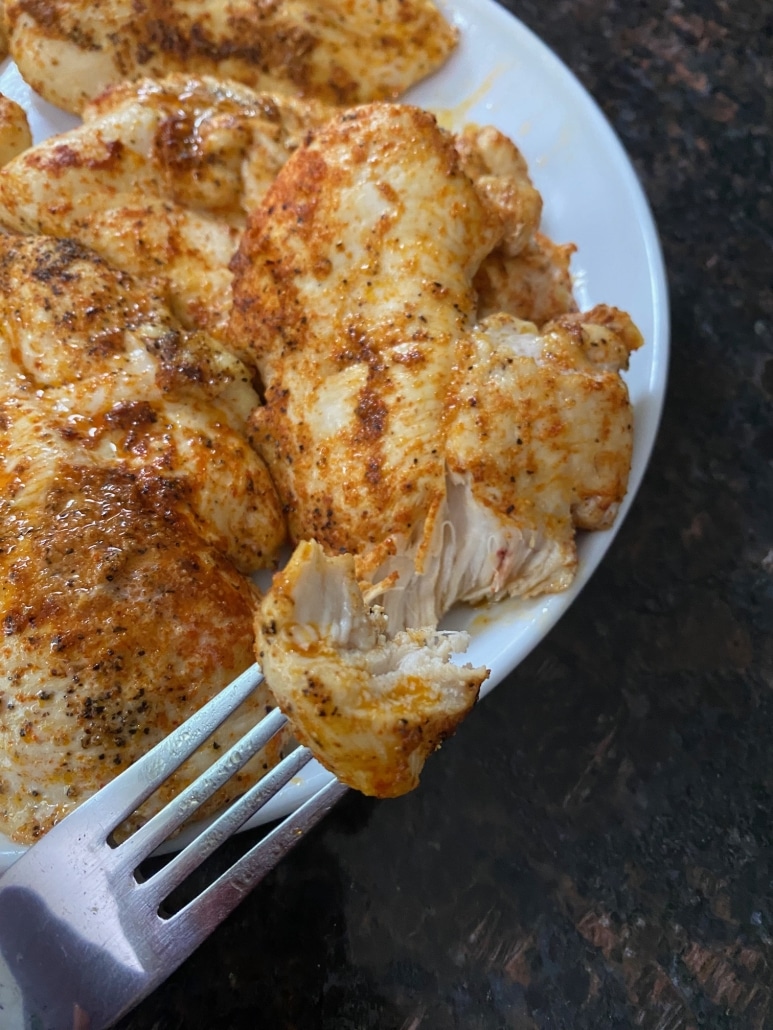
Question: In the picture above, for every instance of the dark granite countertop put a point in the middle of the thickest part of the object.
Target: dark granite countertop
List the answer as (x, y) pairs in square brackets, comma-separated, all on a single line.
[(594, 848)]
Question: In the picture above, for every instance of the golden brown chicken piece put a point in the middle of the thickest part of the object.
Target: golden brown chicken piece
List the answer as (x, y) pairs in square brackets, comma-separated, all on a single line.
[(526, 274), (500, 174), (535, 284), (370, 706), (538, 445), (342, 51), (158, 180), (354, 286), (129, 500), (374, 230), (15, 135)]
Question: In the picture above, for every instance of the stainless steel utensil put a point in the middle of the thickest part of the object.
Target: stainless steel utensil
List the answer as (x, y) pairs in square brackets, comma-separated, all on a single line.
[(83, 937)]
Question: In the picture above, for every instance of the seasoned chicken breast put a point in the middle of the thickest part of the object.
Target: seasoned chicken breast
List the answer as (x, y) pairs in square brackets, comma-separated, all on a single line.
[(159, 179), (389, 411), (370, 706), (375, 230), (538, 444), (15, 135), (342, 51), (131, 509)]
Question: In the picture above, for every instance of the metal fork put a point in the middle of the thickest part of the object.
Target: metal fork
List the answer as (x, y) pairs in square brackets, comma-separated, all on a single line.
[(83, 937)]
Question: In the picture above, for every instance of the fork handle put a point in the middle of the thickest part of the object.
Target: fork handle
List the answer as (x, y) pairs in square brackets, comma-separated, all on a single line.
[(54, 978), (41, 962)]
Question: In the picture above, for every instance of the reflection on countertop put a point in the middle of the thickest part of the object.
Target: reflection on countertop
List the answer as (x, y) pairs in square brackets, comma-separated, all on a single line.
[(593, 849)]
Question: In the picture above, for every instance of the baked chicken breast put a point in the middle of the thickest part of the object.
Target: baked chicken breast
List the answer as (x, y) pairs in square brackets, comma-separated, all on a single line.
[(397, 426), (15, 135), (370, 705), (342, 51), (158, 179), (131, 510)]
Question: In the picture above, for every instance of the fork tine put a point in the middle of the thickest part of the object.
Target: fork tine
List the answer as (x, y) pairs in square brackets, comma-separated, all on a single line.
[(160, 885), (134, 785), (182, 807), (183, 930)]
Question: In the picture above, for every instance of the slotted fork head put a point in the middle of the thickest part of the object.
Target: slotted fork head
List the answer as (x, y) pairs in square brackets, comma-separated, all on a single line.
[(83, 937)]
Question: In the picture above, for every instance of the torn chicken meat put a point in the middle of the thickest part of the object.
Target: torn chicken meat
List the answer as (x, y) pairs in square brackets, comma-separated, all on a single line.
[(371, 706)]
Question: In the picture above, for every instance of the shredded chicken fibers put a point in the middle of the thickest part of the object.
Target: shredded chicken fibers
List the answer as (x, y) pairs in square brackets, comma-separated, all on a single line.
[(370, 706)]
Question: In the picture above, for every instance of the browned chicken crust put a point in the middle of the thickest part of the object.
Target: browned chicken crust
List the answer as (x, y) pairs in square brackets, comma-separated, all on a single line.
[(128, 498), (341, 51)]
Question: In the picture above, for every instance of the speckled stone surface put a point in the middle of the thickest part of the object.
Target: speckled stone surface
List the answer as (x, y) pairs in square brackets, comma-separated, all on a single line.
[(595, 847)]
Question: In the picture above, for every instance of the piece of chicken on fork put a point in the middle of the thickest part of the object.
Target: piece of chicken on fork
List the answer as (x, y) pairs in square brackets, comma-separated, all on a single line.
[(132, 510), (388, 406), (371, 706)]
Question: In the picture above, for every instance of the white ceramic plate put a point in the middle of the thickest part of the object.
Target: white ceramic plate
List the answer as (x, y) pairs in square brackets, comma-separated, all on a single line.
[(503, 75)]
